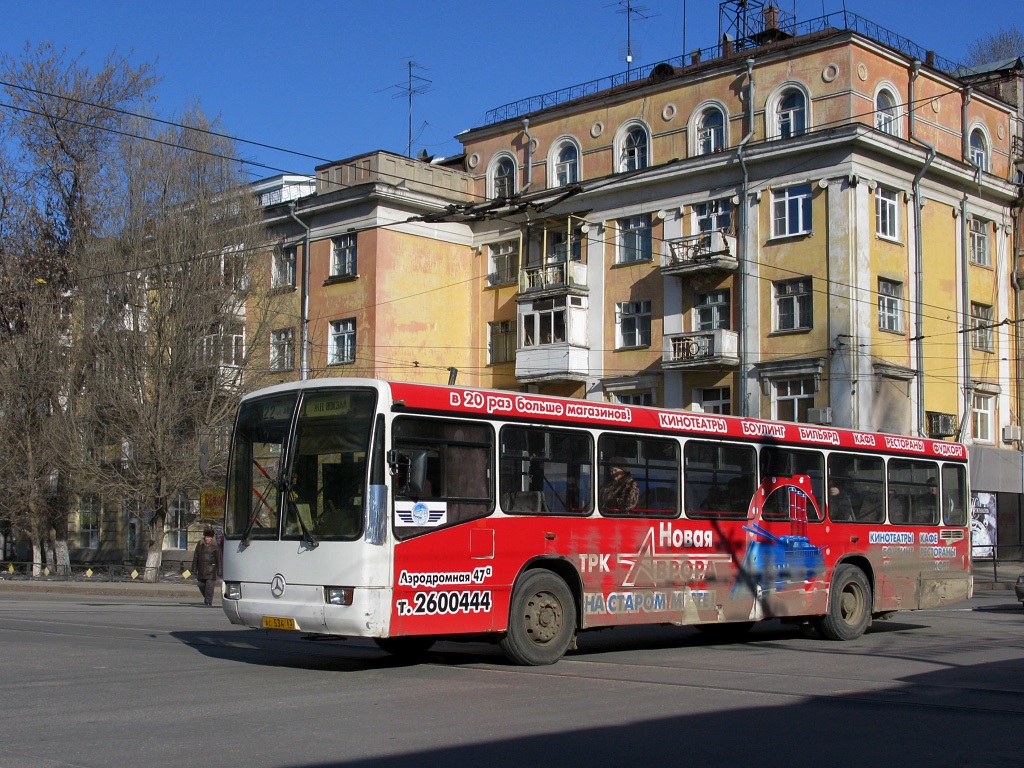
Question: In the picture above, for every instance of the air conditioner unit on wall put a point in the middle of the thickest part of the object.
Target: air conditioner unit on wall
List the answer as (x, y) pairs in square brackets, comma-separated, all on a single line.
[(1011, 432), (941, 424), (819, 415)]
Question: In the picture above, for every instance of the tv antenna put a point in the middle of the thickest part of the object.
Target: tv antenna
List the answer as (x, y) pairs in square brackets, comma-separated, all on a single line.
[(414, 86), (630, 9)]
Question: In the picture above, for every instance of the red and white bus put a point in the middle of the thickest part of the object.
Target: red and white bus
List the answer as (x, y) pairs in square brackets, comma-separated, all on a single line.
[(408, 512)]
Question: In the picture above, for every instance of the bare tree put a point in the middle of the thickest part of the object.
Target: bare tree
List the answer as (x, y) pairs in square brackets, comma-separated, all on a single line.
[(173, 318), (1007, 43), (56, 131)]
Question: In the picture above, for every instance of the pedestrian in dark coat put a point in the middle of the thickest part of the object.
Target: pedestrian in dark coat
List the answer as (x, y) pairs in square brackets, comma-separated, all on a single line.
[(206, 565)]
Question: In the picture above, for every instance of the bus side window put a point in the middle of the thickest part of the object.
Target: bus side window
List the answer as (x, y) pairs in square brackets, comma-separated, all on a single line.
[(954, 495), (446, 461), (546, 471), (719, 479), (787, 462), (913, 492), (648, 465), (862, 479)]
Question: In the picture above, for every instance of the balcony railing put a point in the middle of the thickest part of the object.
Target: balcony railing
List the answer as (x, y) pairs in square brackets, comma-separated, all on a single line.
[(699, 349), (706, 251), (571, 274)]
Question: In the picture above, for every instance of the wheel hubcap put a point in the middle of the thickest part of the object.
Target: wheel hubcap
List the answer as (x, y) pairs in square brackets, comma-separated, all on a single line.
[(543, 617)]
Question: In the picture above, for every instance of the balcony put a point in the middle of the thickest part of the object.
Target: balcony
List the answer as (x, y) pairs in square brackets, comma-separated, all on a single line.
[(706, 252), (701, 349), (554, 278), (552, 362)]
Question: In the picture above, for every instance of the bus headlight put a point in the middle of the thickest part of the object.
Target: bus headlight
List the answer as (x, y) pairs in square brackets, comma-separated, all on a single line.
[(339, 595), (232, 590)]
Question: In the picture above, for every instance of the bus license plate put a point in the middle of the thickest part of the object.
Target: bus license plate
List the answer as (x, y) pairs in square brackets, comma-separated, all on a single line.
[(275, 622)]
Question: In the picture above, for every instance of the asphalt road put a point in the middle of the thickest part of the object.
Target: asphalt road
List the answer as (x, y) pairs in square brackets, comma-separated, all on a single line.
[(92, 680)]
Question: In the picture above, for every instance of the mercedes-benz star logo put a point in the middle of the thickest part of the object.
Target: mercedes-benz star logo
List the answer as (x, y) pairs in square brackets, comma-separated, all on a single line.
[(277, 585)]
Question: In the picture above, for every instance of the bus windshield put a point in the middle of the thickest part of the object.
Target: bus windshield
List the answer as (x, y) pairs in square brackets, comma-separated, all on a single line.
[(311, 488)]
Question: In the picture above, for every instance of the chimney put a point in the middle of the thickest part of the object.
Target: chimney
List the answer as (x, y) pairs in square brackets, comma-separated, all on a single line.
[(929, 58), (695, 56), (728, 46), (771, 17)]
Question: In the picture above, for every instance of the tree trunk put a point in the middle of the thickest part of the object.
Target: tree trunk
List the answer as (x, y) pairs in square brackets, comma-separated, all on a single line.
[(37, 559), (155, 550), (63, 557)]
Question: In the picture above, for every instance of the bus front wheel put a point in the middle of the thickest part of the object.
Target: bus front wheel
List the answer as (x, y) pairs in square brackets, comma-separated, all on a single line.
[(849, 605), (541, 622)]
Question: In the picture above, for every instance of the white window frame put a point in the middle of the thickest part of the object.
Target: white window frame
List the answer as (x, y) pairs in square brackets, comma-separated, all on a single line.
[(798, 392), (979, 148), (792, 210), (887, 213), (712, 310), (634, 398), (890, 305), (501, 342), (887, 116), (89, 523), (564, 162), (503, 262), (711, 138), (717, 400), (546, 324), (794, 298), (283, 273), (714, 215), (981, 254), (633, 147), (982, 321), (344, 255), (635, 241), (176, 523), (502, 185), (633, 324), (341, 342), (983, 413), (785, 119), (223, 349), (282, 349)]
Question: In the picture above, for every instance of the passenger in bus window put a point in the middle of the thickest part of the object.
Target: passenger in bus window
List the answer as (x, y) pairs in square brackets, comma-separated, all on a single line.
[(840, 508), (926, 504), (620, 492)]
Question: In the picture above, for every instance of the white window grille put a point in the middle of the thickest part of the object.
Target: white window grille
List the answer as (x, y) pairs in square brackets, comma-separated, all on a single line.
[(635, 239), (890, 306), (791, 210), (341, 345), (633, 323), (887, 213), (343, 260), (794, 307)]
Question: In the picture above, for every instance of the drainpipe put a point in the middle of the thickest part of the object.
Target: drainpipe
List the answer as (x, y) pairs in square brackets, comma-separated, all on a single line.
[(965, 317), (919, 252), (742, 238), (529, 156), (303, 298)]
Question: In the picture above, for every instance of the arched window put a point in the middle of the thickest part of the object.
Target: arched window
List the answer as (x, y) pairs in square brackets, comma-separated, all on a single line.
[(886, 113), (979, 149), (711, 131), (567, 165), (792, 114), (634, 150), (503, 178)]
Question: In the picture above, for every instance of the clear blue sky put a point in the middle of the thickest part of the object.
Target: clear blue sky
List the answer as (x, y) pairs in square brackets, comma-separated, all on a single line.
[(317, 77)]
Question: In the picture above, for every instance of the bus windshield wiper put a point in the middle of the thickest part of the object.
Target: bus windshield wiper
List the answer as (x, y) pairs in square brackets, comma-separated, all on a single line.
[(247, 533), (293, 508)]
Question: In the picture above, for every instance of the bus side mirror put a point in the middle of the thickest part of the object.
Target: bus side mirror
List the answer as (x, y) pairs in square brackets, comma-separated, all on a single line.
[(409, 471)]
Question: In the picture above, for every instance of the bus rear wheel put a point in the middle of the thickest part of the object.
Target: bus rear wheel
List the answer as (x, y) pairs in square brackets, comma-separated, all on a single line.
[(849, 605), (405, 645), (541, 622)]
